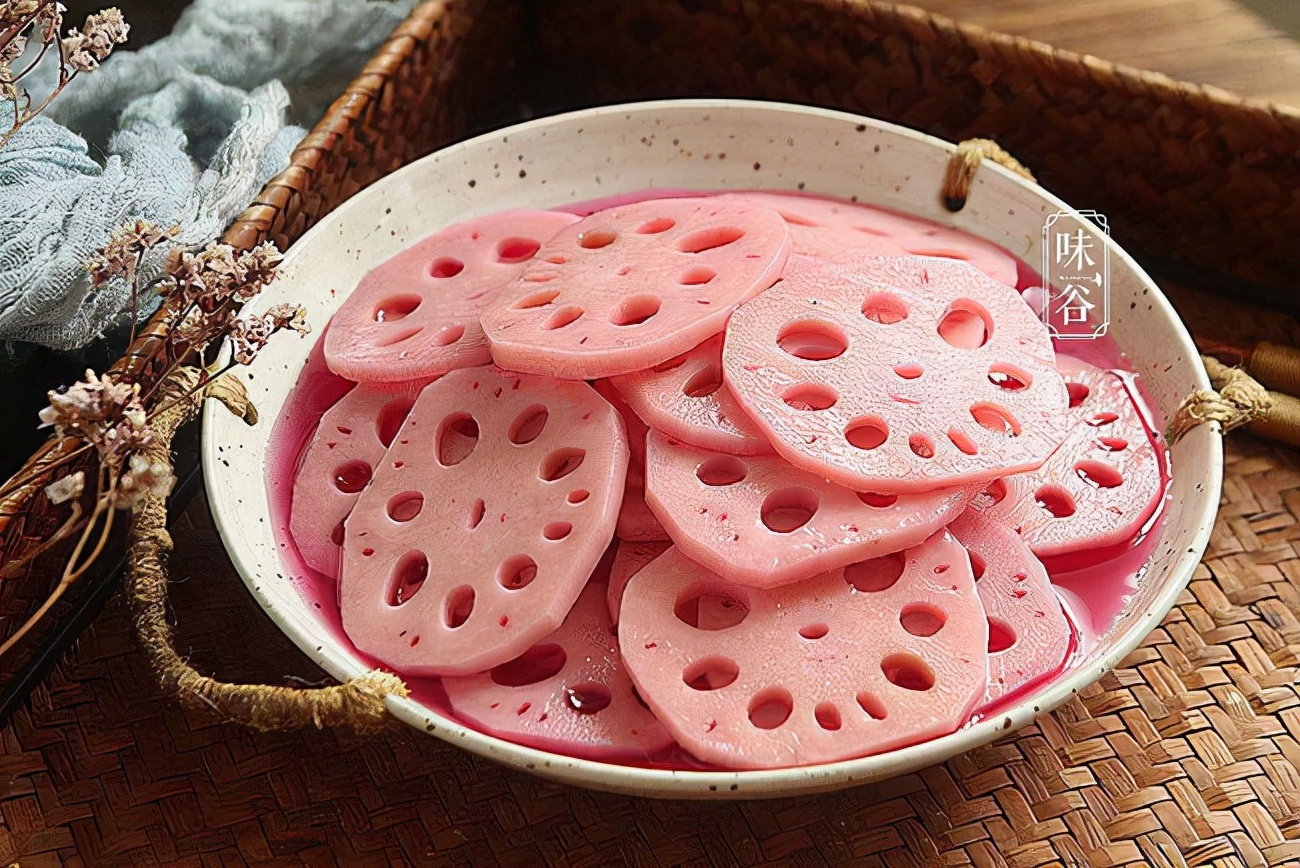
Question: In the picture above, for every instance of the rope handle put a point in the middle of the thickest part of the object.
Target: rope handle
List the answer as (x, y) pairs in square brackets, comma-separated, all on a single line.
[(1236, 399), (357, 704)]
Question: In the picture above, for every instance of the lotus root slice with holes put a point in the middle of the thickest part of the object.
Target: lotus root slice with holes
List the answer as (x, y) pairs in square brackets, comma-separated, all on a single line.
[(569, 693), (338, 462), (490, 510), (879, 655), (897, 374), (1029, 635), (761, 522), (633, 286), (416, 315)]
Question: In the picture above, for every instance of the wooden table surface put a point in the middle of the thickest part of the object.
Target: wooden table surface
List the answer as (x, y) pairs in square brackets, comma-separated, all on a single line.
[(1249, 47)]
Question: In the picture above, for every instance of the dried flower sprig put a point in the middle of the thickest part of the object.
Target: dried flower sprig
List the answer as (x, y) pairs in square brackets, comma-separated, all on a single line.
[(81, 50)]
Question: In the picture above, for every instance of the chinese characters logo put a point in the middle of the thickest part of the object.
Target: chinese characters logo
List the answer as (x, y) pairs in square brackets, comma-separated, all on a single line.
[(1076, 268)]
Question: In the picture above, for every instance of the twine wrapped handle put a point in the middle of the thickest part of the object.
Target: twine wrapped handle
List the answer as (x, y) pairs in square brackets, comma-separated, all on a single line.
[(357, 705), (964, 162), (1236, 400)]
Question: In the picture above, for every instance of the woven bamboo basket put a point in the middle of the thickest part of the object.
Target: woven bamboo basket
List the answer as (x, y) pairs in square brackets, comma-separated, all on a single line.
[(1189, 754)]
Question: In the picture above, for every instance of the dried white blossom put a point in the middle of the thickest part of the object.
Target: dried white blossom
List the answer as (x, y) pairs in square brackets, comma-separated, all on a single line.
[(104, 413), (68, 488), (85, 49), (144, 478), (249, 335)]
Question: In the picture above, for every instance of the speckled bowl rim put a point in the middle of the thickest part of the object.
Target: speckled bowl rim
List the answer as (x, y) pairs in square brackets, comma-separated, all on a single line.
[(230, 515)]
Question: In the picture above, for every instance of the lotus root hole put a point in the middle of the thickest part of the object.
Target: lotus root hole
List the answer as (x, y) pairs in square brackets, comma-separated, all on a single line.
[(352, 477), (517, 572), (704, 240), (563, 317), (396, 307), (866, 432), (884, 308), (921, 446), (966, 325), (995, 418), (457, 437), (588, 698), (876, 499), (812, 340), (595, 239), (539, 663), (877, 574), (457, 606), (872, 706), (922, 619), (1102, 419), (994, 493), (516, 250), (541, 298), (721, 470), (1078, 393), (697, 275), (476, 513), (708, 609), (962, 441), (770, 707), (977, 564), (635, 310), (810, 397), (528, 425), (814, 631), (827, 716), (1056, 500), (557, 530), (449, 335), (445, 266), (577, 496), (408, 577), (907, 671), (391, 418), (788, 509), (1010, 377), (655, 226), (909, 370), (711, 673), (703, 383), (1098, 475), (336, 535), (1001, 636), (561, 463), (1112, 444), (405, 506), (670, 365)]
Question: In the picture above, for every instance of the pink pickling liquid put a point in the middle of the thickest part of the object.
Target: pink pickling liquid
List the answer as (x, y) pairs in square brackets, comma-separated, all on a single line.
[(1094, 586)]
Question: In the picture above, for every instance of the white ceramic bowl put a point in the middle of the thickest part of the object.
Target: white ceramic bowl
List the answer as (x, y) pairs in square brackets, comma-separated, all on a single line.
[(696, 144)]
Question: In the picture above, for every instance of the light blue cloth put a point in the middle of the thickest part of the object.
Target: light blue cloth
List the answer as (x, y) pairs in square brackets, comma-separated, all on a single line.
[(189, 130)]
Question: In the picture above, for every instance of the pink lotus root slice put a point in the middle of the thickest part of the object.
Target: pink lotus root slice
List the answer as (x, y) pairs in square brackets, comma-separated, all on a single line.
[(686, 398), (897, 374), (870, 658), (761, 522), (630, 557), (417, 315), (829, 228), (1029, 635), (1100, 488), (569, 693), (482, 524), (633, 286), (338, 462)]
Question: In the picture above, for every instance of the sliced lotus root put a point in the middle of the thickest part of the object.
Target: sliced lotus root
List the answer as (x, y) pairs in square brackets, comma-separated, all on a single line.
[(337, 464), (630, 557), (633, 286), (569, 693), (1029, 635), (685, 398), (483, 522), (761, 522), (884, 653), (417, 314), (1100, 488), (826, 227), (897, 374)]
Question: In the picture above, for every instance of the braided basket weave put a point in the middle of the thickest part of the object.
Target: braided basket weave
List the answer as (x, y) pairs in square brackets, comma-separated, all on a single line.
[(1187, 755)]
